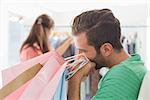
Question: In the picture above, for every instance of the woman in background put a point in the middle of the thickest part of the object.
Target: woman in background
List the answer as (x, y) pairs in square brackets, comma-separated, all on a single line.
[(37, 42)]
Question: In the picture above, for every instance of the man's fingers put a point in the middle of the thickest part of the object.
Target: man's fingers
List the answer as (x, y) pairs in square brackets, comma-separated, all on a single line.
[(88, 68), (91, 65)]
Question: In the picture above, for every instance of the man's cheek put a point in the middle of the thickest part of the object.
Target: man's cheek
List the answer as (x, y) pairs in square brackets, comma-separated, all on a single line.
[(91, 60)]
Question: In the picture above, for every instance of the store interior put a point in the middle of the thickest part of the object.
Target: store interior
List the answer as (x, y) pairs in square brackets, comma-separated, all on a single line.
[(17, 17)]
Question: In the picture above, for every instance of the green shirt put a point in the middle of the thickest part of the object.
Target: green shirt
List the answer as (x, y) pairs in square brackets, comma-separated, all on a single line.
[(122, 81)]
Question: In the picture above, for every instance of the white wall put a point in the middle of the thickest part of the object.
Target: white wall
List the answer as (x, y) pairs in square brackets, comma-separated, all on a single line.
[(3, 34), (148, 39), (3, 37)]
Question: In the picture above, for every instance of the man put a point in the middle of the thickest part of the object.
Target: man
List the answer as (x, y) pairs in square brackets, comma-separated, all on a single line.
[(97, 34)]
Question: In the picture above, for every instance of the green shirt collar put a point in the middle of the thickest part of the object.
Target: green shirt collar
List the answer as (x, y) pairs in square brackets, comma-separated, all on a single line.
[(135, 57)]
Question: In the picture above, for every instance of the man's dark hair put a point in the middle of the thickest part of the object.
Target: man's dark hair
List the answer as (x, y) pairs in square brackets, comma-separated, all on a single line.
[(100, 26)]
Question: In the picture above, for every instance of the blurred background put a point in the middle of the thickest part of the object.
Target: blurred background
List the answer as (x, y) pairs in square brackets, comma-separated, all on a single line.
[(17, 17)]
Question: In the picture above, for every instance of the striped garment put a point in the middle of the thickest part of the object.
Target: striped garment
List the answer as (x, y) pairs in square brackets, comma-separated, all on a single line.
[(123, 81)]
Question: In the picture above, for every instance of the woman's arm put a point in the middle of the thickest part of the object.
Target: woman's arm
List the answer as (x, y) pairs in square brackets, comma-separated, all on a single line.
[(62, 48)]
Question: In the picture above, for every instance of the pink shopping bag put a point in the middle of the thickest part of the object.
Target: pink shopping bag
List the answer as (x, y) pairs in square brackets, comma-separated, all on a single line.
[(16, 94), (52, 61), (41, 80), (49, 90), (14, 71), (19, 83)]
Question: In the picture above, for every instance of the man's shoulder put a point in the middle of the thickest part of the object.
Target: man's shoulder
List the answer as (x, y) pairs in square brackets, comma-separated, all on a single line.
[(119, 82), (118, 71), (123, 70)]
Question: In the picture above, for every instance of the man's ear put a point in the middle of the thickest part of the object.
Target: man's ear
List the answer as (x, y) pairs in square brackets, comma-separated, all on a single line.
[(106, 49)]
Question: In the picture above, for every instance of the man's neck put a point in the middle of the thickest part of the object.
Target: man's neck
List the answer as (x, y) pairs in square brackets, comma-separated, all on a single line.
[(117, 58)]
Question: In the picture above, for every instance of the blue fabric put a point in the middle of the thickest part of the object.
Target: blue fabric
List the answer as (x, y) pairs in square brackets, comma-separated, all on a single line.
[(61, 92)]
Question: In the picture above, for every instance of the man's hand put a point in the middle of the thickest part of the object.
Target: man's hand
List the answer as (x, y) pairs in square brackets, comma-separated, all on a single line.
[(75, 81), (84, 72)]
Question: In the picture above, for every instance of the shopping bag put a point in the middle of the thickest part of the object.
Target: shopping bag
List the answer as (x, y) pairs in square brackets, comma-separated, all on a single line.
[(44, 76), (16, 70), (19, 81), (46, 81), (56, 91), (49, 90), (11, 71)]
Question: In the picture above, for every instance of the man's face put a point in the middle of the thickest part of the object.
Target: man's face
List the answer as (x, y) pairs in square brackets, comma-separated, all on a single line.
[(89, 50)]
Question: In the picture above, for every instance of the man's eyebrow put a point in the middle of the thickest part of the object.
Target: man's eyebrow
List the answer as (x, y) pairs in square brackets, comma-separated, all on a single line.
[(82, 49)]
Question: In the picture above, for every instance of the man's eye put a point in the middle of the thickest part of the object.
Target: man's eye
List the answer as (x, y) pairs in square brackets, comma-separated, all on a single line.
[(80, 51), (83, 51)]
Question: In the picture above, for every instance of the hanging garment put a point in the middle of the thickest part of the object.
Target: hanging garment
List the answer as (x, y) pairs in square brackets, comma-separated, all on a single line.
[(61, 93)]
